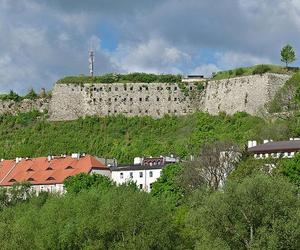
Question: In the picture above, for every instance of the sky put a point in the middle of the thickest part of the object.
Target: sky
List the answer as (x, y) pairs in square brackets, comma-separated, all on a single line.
[(43, 41)]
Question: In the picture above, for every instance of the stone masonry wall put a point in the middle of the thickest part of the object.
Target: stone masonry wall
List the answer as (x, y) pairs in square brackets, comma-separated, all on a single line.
[(12, 107), (247, 93)]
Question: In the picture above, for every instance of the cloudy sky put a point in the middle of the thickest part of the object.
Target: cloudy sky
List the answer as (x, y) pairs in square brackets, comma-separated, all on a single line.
[(42, 41)]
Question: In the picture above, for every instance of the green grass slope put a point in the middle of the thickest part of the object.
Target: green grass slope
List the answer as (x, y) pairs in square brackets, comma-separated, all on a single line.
[(31, 135)]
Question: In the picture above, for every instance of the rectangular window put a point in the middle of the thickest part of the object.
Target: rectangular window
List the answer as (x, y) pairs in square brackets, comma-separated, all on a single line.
[(131, 99), (150, 174), (141, 99), (141, 174), (121, 175), (131, 174), (157, 99), (116, 88), (151, 184), (175, 88), (141, 186)]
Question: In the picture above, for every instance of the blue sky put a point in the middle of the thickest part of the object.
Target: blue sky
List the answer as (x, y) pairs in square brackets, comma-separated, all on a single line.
[(42, 41)]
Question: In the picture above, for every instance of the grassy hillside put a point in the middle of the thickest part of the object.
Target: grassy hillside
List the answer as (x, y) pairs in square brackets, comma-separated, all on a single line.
[(30, 134), (256, 69)]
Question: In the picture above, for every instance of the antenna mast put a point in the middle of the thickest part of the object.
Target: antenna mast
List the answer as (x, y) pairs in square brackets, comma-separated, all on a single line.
[(91, 60)]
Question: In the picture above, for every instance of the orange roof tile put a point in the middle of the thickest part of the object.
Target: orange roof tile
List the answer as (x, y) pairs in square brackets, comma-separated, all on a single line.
[(36, 170)]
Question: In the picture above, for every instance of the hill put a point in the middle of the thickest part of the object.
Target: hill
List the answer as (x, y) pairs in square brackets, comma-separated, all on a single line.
[(31, 134)]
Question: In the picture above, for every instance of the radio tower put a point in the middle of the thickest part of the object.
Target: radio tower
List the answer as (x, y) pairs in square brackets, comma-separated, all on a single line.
[(91, 60)]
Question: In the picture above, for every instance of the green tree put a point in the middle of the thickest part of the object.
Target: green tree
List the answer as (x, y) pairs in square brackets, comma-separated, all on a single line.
[(261, 212), (32, 95), (167, 185), (291, 169), (288, 54), (83, 181)]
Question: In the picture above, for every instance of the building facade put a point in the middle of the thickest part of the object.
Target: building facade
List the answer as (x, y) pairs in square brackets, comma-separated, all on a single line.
[(48, 173), (144, 172)]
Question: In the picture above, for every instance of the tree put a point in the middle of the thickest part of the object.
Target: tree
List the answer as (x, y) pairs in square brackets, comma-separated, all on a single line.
[(288, 54), (167, 185), (83, 181), (215, 162), (291, 169), (261, 212)]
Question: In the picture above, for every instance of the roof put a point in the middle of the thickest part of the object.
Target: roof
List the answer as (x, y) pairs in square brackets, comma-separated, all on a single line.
[(276, 147), (41, 171), (136, 167)]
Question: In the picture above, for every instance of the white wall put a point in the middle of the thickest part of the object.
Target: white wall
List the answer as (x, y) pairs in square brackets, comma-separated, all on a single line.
[(143, 182)]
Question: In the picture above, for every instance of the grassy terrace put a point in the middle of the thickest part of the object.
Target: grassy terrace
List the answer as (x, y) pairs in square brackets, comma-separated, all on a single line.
[(122, 78), (253, 70)]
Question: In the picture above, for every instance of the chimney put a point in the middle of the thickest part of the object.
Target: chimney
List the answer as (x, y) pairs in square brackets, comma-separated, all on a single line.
[(252, 144), (75, 156), (266, 141), (49, 157)]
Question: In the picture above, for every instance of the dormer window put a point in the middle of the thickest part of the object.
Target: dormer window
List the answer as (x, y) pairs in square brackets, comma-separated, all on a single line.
[(12, 180), (29, 169), (49, 168), (69, 167), (50, 178), (30, 179)]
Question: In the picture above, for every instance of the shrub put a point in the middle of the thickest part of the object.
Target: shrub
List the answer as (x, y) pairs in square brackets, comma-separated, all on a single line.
[(239, 71), (261, 69)]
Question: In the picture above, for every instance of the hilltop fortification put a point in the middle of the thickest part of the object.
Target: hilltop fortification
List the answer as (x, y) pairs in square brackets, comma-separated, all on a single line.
[(71, 100), (247, 93)]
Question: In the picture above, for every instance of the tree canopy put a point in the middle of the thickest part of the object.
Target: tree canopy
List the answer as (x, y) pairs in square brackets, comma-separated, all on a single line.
[(288, 54)]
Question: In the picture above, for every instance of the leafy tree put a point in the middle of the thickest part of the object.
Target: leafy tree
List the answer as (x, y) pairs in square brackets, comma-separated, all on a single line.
[(261, 212), (84, 181), (239, 71), (291, 169), (288, 54), (261, 69), (167, 185)]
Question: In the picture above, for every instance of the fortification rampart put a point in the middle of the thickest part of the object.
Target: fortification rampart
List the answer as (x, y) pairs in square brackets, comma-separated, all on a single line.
[(26, 105), (247, 93)]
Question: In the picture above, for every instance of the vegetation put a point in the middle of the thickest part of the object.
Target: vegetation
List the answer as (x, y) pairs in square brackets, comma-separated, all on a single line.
[(257, 69), (31, 135), (288, 54), (13, 96), (122, 78)]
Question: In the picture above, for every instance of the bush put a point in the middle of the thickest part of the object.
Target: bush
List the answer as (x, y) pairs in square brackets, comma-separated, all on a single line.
[(261, 69), (239, 71)]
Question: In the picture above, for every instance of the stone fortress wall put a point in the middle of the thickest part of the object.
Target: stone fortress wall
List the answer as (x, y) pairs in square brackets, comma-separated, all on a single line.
[(71, 101), (246, 93)]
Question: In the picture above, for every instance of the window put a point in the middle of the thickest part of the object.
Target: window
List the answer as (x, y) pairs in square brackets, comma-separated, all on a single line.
[(151, 184), (147, 98), (130, 111), (100, 99), (50, 178), (116, 88), (125, 99), (12, 180), (157, 99), (141, 88), (130, 99), (30, 179), (69, 167), (175, 99), (131, 88), (95, 89), (146, 88), (158, 88), (109, 111), (141, 99), (141, 186), (109, 88), (168, 88), (131, 174), (175, 111), (115, 111), (146, 111), (49, 168), (100, 88), (141, 174), (94, 99), (125, 88), (191, 88), (121, 175), (116, 99), (30, 169), (175, 88), (109, 99), (150, 174), (169, 98)]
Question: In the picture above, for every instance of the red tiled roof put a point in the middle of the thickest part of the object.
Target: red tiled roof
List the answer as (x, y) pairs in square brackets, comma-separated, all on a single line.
[(36, 170)]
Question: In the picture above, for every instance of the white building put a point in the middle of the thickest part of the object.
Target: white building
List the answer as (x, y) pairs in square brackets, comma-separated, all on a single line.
[(278, 149), (144, 172)]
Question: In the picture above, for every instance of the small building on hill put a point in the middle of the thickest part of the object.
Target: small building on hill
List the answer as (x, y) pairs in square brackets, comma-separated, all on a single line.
[(143, 172), (49, 173), (277, 149)]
